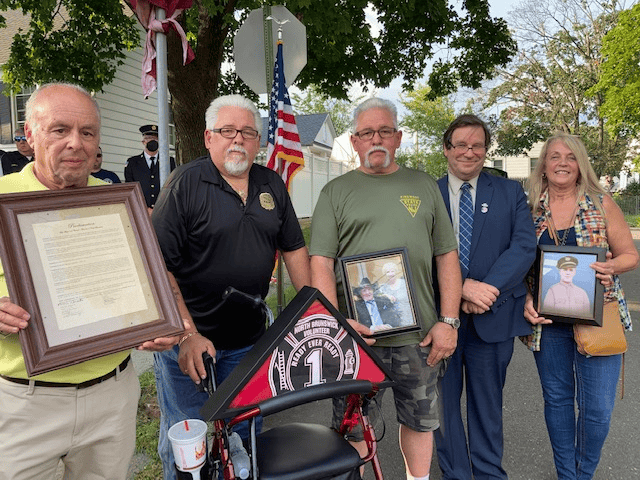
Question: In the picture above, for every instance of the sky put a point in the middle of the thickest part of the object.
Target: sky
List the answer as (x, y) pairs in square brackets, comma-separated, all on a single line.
[(498, 8)]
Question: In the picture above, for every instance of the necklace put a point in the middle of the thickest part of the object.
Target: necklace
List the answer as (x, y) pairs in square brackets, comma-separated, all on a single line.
[(565, 235), (242, 194)]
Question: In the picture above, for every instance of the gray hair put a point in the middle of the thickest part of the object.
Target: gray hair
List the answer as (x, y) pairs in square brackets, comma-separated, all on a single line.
[(374, 102), (32, 104), (211, 115)]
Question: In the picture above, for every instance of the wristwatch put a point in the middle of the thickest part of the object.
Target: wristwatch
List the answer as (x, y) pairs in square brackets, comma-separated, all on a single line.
[(454, 322)]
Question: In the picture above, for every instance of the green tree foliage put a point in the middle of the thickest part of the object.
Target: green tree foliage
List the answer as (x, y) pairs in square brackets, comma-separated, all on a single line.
[(620, 73), (343, 48), (434, 163), (314, 100), (546, 88), (70, 40), (426, 119), (632, 190)]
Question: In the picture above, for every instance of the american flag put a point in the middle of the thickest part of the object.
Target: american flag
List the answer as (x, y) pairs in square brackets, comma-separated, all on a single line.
[(284, 151)]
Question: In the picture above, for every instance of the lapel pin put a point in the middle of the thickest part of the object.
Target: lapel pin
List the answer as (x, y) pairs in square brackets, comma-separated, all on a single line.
[(485, 208)]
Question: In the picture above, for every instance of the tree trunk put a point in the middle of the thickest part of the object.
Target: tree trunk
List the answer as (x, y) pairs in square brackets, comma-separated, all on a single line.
[(195, 85)]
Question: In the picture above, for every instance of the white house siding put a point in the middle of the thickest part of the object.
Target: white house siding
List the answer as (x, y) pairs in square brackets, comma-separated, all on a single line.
[(518, 166), (302, 188), (124, 110)]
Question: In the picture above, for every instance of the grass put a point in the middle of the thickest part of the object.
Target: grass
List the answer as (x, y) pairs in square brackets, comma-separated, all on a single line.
[(632, 220), (148, 427), (148, 418)]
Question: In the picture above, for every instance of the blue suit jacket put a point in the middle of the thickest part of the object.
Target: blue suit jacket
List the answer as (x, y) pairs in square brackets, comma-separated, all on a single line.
[(503, 248)]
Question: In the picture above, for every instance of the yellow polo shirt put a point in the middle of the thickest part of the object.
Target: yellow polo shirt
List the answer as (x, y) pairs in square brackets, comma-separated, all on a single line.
[(11, 359)]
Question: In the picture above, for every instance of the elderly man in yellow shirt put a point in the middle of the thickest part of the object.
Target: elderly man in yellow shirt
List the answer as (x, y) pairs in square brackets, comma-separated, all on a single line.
[(85, 414)]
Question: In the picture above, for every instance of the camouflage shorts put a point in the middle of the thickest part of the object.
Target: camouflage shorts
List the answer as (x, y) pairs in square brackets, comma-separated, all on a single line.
[(415, 394)]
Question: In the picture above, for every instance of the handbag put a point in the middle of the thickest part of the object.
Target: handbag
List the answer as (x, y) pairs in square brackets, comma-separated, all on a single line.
[(609, 339)]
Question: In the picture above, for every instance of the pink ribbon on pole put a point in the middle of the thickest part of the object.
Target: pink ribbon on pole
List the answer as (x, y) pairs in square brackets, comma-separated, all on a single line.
[(146, 14)]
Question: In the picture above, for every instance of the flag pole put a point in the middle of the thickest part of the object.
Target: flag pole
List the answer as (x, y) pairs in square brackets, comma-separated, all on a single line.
[(279, 271), (284, 150), (163, 100)]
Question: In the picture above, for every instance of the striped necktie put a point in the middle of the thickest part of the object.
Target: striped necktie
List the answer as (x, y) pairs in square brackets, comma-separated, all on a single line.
[(466, 225)]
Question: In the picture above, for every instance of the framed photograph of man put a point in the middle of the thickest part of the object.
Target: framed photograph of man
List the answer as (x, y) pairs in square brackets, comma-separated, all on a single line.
[(379, 291), (567, 289)]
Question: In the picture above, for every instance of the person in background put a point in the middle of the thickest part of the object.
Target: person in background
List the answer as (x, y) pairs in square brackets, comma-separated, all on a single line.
[(12, 162), (145, 168), (570, 207), (104, 175)]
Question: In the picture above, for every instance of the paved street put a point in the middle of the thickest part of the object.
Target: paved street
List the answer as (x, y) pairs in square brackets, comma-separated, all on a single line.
[(527, 450)]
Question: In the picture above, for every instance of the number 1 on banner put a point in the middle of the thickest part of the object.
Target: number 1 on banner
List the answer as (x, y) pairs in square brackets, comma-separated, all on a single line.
[(314, 362)]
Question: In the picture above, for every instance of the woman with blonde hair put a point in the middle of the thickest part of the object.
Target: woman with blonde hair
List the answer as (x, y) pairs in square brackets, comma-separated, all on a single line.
[(570, 207)]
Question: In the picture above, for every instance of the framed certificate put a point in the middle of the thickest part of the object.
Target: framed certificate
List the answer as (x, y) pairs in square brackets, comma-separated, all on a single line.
[(86, 264), (379, 292), (567, 289)]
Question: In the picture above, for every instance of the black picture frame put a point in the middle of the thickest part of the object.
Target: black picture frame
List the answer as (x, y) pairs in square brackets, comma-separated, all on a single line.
[(564, 301), (395, 302)]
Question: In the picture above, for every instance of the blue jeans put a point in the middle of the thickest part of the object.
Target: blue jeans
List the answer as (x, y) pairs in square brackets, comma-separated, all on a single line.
[(567, 378), (179, 400)]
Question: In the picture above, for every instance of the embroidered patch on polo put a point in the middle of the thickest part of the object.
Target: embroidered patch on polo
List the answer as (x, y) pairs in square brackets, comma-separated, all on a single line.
[(411, 203)]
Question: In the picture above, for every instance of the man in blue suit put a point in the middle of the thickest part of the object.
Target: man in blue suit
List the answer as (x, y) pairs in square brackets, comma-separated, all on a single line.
[(497, 246)]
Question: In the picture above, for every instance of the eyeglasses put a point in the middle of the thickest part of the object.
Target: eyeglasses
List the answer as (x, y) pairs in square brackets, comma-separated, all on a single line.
[(462, 148), (228, 132), (21, 138), (99, 155), (384, 132)]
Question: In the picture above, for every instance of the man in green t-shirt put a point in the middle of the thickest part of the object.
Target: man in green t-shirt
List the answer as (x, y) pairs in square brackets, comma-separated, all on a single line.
[(381, 206)]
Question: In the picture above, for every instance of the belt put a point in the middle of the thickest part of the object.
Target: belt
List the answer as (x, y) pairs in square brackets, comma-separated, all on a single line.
[(87, 384)]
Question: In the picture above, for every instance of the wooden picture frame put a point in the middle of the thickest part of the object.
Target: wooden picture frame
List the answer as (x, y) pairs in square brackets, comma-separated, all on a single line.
[(394, 302), (566, 288), (86, 264)]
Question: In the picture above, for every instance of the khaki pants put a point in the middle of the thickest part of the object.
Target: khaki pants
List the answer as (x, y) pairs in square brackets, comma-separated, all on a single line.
[(92, 430)]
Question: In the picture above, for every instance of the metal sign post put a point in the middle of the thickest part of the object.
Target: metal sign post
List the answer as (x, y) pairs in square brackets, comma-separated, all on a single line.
[(256, 36)]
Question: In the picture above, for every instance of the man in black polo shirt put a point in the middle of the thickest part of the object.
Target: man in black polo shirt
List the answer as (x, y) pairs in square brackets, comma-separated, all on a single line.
[(220, 220)]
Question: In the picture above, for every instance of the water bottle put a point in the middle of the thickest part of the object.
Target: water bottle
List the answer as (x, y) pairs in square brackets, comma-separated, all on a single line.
[(239, 456)]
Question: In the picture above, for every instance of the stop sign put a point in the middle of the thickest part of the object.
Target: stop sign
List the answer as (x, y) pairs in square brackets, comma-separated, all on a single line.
[(249, 49)]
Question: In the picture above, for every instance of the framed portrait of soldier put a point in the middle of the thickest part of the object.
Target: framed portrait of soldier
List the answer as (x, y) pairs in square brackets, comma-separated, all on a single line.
[(567, 289), (86, 264), (379, 291)]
